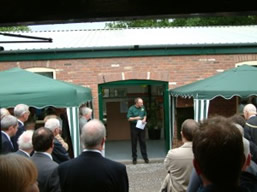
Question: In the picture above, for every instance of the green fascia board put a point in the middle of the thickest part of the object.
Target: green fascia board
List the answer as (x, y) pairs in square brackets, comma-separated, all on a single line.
[(133, 82), (33, 55)]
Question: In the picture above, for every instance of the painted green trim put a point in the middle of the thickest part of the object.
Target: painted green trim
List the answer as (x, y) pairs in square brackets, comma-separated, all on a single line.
[(165, 86), (132, 82), (166, 116), (80, 53), (100, 102)]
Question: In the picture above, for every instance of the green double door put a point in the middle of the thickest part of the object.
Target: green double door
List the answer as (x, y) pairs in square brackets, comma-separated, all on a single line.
[(116, 97)]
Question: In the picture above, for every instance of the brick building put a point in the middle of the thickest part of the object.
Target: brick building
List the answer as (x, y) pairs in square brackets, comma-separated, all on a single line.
[(119, 65)]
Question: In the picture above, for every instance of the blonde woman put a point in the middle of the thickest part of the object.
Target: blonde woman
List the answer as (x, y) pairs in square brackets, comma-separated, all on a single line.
[(18, 174)]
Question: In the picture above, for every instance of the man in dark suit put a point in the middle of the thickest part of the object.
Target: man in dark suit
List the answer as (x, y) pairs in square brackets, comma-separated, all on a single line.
[(250, 129), (59, 153), (91, 171), (21, 111), (42, 141), (9, 125)]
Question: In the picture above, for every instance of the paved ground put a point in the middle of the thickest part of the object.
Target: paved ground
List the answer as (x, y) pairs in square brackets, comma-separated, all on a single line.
[(145, 177)]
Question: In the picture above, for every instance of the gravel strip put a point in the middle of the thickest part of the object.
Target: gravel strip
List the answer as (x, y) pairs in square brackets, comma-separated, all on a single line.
[(145, 177)]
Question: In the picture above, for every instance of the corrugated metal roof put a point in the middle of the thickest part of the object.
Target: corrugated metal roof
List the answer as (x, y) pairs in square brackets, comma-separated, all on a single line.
[(142, 37)]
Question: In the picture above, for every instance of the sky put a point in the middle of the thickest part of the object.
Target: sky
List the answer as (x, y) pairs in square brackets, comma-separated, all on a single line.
[(72, 26)]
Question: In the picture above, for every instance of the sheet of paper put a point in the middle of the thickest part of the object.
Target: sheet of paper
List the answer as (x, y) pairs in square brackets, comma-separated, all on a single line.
[(140, 124)]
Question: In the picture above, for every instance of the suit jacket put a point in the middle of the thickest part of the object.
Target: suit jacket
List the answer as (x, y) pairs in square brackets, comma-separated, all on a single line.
[(14, 139), (48, 180), (250, 129), (179, 164), (22, 153), (250, 133), (7, 146), (59, 154), (93, 173)]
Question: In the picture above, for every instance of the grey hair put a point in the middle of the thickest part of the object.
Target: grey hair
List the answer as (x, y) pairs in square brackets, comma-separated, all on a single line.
[(25, 140), (250, 108), (52, 124), (3, 112), (85, 110), (93, 133), (8, 121), (20, 109)]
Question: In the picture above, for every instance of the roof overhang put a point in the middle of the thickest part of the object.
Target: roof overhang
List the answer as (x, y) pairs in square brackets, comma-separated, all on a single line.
[(80, 53)]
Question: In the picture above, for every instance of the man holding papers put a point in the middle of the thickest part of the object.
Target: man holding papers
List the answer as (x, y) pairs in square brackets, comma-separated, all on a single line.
[(137, 117)]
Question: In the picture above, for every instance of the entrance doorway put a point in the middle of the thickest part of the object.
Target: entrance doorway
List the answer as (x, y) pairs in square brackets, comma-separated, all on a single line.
[(114, 100)]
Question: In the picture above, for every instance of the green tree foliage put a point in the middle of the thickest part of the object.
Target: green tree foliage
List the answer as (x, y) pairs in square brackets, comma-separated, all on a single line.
[(14, 29), (192, 21)]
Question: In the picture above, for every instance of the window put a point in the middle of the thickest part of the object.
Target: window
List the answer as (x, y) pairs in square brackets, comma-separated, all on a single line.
[(43, 71), (252, 63)]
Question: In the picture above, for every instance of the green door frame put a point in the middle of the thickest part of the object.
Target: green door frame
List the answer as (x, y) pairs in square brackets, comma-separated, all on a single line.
[(165, 85)]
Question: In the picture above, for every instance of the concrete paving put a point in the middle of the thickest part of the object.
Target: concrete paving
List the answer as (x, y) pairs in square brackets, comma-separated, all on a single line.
[(142, 177), (121, 150), (146, 177)]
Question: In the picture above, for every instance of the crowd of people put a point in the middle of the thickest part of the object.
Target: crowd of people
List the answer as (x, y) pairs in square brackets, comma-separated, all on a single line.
[(218, 154)]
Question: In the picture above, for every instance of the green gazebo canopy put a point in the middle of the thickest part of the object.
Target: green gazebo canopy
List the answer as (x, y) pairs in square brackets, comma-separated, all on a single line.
[(240, 81), (21, 86)]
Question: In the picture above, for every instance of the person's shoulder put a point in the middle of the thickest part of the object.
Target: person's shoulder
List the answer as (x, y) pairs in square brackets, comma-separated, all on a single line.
[(180, 152), (19, 152), (114, 163), (71, 162), (252, 119), (4, 137), (131, 107), (248, 182)]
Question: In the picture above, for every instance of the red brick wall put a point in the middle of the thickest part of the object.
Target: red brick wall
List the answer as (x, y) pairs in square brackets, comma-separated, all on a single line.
[(179, 69), (221, 106)]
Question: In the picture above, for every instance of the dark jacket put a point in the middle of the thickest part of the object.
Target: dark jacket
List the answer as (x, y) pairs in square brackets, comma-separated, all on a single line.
[(19, 152), (6, 144), (59, 154), (48, 180), (248, 182), (92, 172), (14, 139), (250, 133)]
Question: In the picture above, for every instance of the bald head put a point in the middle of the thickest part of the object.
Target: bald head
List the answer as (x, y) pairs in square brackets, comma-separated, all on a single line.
[(139, 102), (188, 128), (93, 134)]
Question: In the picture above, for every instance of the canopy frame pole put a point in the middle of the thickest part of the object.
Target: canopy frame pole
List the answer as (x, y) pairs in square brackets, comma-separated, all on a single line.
[(201, 109)]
